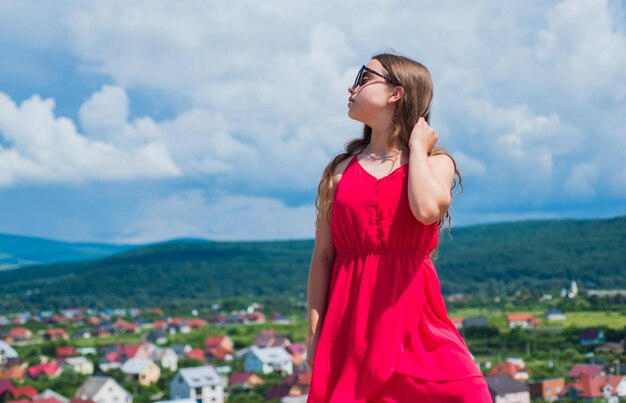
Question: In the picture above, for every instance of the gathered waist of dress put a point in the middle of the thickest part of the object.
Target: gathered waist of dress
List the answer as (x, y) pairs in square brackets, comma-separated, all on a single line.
[(363, 251)]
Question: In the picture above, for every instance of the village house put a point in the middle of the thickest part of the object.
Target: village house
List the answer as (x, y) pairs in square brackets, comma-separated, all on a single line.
[(20, 333), (554, 314), (219, 347), (196, 323), (524, 320), (50, 369), (267, 360), (6, 390), (49, 396), (202, 384), (14, 372), (79, 365), (142, 370), (24, 392), (547, 389), (298, 354), (181, 349), (196, 353), (589, 387), (477, 321), (296, 384), (102, 389), (6, 352), (55, 334), (269, 338), (245, 380), (505, 390), (592, 370), (165, 358), (591, 337), (511, 369), (65, 351), (457, 321), (610, 348), (156, 336)]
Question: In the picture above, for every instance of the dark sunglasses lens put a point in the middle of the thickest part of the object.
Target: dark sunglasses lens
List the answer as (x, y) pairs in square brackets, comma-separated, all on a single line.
[(357, 80)]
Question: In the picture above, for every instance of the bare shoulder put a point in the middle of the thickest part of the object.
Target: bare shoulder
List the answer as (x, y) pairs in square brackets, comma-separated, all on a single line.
[(340, 169)]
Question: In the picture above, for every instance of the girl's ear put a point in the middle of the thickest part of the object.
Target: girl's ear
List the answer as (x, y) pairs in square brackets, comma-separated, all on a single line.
[(396, 94)]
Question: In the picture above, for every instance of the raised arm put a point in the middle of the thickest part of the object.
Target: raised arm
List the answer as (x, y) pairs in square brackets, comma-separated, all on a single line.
[(430, 177)]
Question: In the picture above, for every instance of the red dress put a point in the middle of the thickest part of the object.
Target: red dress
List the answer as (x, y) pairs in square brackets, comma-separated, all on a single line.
[(385, 314)]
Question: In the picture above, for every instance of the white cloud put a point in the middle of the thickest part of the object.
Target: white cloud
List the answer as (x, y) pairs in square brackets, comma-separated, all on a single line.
[(45, 148), (585, 46), (227, 217), (105, 113)]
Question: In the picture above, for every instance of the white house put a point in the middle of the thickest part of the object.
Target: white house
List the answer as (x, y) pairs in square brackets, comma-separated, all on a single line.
[(268, 359), (49, 393), (506, 390), (554, 314), (6, 352), (80, 365), (165, 358), (103, 389), (143, 370), (202, 384)]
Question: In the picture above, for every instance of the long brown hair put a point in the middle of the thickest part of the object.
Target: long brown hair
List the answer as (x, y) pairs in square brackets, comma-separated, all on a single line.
[(415, 78)]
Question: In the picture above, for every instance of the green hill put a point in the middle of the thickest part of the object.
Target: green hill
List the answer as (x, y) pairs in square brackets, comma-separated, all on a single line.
[(18, 250), (485, 258)]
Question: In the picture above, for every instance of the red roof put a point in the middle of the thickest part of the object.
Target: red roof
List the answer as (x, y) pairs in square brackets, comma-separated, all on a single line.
[(456, 320), (588, 386), (14, 372), (196, 353), (212, 341), (506, 368), (49, 368), (196, 323), (5, 386), (65, 351), (579, 370), (18, 331), (159, 323), (218, 352), (519, 317), (56, 332), (239, 378), (129, 350), (27, 391), (296, 348)]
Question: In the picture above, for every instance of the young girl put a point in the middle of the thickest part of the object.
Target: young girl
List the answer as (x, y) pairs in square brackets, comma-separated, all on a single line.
[(378, 326)]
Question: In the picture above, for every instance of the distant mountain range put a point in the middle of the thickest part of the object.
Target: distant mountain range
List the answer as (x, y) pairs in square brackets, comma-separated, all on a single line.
[(18, 250), (490, 258)]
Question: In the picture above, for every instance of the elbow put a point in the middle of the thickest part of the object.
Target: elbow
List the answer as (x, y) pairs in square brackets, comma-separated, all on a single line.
[(432, 214)]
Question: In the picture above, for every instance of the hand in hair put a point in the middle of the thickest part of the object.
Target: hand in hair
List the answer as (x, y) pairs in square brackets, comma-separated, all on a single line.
[(423, 136)]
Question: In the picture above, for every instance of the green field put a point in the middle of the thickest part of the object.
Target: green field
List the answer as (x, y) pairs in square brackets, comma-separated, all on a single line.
[(614, 320)]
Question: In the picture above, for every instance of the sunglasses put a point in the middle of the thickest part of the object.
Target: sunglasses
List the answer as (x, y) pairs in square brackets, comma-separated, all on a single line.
[(360, 77)]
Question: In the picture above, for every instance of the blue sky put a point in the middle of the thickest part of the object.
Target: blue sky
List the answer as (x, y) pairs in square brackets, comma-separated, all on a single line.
[(144, 121)]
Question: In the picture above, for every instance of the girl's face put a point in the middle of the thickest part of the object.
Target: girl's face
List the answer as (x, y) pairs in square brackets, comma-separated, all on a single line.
[(371, 97)]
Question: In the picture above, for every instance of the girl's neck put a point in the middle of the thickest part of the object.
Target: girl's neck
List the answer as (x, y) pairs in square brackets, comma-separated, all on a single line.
[(379, 143)]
